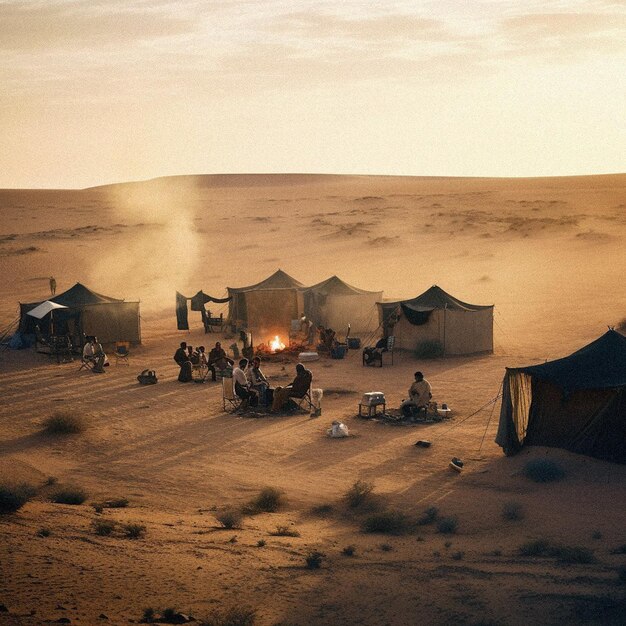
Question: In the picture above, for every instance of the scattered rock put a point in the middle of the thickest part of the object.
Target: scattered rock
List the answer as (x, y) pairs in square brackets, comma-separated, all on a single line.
[(103, 616)]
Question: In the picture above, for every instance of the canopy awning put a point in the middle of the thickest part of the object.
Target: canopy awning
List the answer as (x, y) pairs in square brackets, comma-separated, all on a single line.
[(41, 310)]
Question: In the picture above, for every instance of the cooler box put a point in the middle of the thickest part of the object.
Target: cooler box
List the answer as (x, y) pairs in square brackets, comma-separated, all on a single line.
[(339, 351), (354, 343), (308, 356), (372, 398)]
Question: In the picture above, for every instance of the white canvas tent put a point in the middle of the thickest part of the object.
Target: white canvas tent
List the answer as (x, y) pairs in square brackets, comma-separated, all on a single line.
[(436, 317), (334, 303)]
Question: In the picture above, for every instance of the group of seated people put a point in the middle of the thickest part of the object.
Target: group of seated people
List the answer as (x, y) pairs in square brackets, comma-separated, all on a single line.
[(186, 357), (94, 355), (252, 386)]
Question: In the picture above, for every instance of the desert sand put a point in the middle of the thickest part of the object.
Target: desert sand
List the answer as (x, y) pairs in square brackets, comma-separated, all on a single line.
[(549, 253)]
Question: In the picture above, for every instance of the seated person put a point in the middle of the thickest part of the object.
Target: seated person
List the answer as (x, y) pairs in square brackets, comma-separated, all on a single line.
[(258, 381), (247, 351), (202, 358), (330, 339), (371, 354), (94, 353), (218, 360), (243, 389), (297, 389), (193, 355), (420, 393)]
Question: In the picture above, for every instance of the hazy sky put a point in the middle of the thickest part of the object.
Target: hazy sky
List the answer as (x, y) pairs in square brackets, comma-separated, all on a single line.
[(97, 91)]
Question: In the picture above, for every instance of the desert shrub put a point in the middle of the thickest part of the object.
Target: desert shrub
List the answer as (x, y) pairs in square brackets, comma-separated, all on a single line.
[(543, 470), (495, 552), (238, 616), (98, 508), (116, 503), (620, 549), (447, 545), (429, 516), (359, 493), (14, 496), (134, 531), (392, 522), (447, 525), (51, 480), (458, 556), (64, 422), (43, 532), (69, 495), (261, 543), (229, 518), (386, 547), (512, 511), (537, 547), (573, 554), (149, 615), (170, 616), (322, 509), (314, 560), (285, 531), (621, 573), (269, 500), (596, 534), (429, 350), (104, 527), (348, 551)]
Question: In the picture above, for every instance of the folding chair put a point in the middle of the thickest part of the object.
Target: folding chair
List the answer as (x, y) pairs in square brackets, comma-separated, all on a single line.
[(122, 352), (305, 403), (87, 362), (230, 399)]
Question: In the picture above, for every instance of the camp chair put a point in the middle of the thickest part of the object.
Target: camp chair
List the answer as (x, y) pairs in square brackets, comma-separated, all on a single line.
[(87, 362), (304, 403), (122, 352), (230, 399), (378, 356)]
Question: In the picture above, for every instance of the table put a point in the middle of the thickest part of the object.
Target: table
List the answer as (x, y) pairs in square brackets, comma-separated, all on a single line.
[(369, 408)]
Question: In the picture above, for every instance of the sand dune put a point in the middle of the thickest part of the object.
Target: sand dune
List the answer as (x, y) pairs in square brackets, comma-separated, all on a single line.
[(549, 253)]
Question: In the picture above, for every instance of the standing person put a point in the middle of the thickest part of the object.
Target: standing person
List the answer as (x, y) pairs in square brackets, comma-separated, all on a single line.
[(99, 356), (420, 393), (182, 359), (53, 285), (297, 389), (243, 388)]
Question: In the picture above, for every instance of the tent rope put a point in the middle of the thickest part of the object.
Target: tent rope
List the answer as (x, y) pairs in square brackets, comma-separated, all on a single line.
[(482, 441)]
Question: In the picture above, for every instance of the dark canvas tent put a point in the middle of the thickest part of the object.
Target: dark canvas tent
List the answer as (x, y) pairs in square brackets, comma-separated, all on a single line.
[(267, 307), (87, 313), (335, 304), (577, 402), (436, 316)]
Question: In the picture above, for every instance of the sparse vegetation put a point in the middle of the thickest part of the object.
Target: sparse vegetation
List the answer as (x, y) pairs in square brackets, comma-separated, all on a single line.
[(620, 549), (229, 518), (458, 556), (116, 503), (543, 470), (51, 480), (14, 496), (238, 616), (261, 543), (512, 511), (149, 615), (447, 525), (314, 560), (134, 531), (596, 534), (386, 547), (348, 551), (322, 509), (69, 495), (429, 350), (359, 493), (169, 615), (392, 522), (564, 554), (428, 517), (269, 500), (64, 422), (43, 532), (104, 527), (285, 531)]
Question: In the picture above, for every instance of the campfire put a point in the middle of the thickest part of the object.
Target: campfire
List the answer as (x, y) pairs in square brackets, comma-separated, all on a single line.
[(276, 345)]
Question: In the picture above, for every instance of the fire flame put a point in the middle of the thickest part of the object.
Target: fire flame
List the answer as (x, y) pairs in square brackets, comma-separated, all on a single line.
[(276, 344)]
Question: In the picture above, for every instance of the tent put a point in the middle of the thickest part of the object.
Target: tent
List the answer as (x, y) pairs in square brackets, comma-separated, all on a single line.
[(85, 312), (267, 307), (577, 402), (436, 317), (335, 304)]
